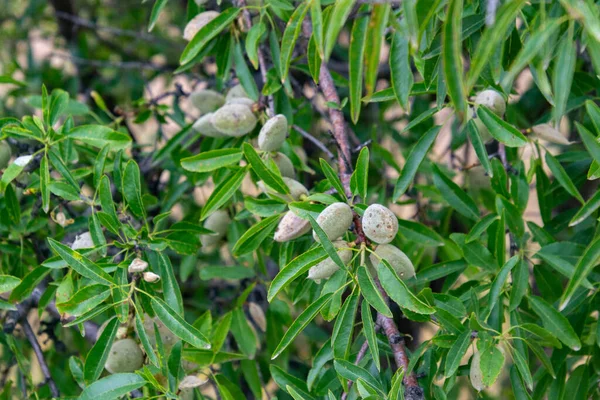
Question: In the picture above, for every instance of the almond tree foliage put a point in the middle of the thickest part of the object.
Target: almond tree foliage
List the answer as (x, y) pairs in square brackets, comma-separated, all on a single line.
[(476, 121)]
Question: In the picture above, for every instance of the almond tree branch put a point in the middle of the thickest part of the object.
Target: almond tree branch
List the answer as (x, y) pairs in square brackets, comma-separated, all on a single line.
[(314, 141), (413, 391), (37, 349)]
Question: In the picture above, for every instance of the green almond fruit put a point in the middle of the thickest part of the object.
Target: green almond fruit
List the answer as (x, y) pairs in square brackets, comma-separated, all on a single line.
[(379, 223), (197, 23), (328, 267), (125, 356), (492, 100), (335, 220), (241, 100), (218, 223), (207, 100), (396, 258), (205, 127), (284, 164), (236, 92), (291, 227), (297, 190), (273, 133), (5, 154), (167, 337), (234, 120)]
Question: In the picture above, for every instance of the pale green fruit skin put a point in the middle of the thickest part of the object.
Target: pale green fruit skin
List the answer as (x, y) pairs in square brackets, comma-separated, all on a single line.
[(5, 154), (284, 164), (125, 356), (241, 100), (205, 127), (207, 100), (492, 100), (197, 23), (475, 373), (484, 132), (379, 224), (273, 133), (328, 267), (297, 190), (167, 337), (396, 258), (236, 92), (335, 220), (218, 223), (234, 120), (291, 227)]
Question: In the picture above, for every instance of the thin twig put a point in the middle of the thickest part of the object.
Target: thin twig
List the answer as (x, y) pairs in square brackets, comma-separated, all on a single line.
[(112, 64), (37, 349), (314, 141)]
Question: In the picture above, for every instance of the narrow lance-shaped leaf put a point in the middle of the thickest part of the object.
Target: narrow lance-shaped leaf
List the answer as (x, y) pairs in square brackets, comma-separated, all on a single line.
[(339, 15), (360, 177), (157, 8), (401, 74), (414, 160), (590, 141), (452, 58), (96, 358), (456, 353), (212, 160), (223, 192), (586, 210), (564, 70), (112, 387), (562, 177), (555, 322), (290, 35), (81, 264), (326, 243), (371, 293), (399, 292), (294, 269), (341, 337), (501, 130), (498, 284), (44, 183), (300, 323), (332, 177), (355, 63), (132, 189), (454, 195), (586, 263), (369, 332), (253, 237), (270, 178), (316, 19), (178, 325), (374, 39), (479, 147), (243, 72)]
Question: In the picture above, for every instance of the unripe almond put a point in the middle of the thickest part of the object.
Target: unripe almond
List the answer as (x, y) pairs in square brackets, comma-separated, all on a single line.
[(241, 100), (150, 277), (121, 331), (379, 223), (328, 267), (218, 223), (296, 190), (291, 227), (207, 100), (492, 100), (167, 337), (234, 120), (197, 23), (137, 265), (204, 126), (396, 258), (475, 372), (335, 220), (284, 164), (124, 356), (5, 154), (236, 92), (273, 133)]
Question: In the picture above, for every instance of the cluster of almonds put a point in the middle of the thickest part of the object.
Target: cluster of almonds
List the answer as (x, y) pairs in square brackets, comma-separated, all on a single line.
[(379, 224)]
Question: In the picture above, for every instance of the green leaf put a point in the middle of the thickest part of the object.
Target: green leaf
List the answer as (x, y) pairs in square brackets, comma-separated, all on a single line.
[(452, 57), (29, 282), (593, 112), (178, 325), (112, 387), (480, 227), (399, 292), (590, 141), (370, 334), (523, 368), (479, 147), (359, 182), (207, 33), (100, 136), (316, 18), (490, 363), (498, 284), (223, 192), (374, 39), (7, 79), (454, 195), (44, 183), (132, 189), (356, 54), (491, 39), (13, 170), (457, 352), (414, 160), (332, 177), (96, 357), (555, 322), (8, 283), (341, 337), (84, 300), (371, 293), (290, 36), (339, 15), (520, 283), (419, 233), (401, 75), (253, 237), (563, 72), (212, 160), (586, 210), (501, 130), (353, 372), (562, 177), (269, 177), (294, 269), (586, 263), (211, 272), (326, 243), (159, 5), (170, 288), (81, 264), (253, 41), (243, 334), (300, 323), (243, 73)]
